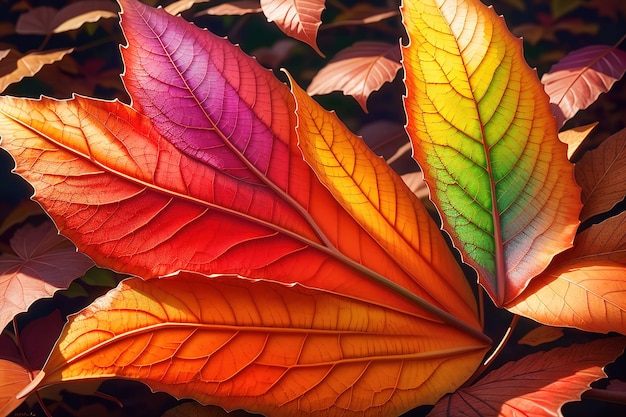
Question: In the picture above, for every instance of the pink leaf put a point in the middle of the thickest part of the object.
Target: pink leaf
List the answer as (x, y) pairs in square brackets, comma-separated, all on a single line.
[(577, 80), (358, 70), (537, 385), (299, 19), (43, 263)]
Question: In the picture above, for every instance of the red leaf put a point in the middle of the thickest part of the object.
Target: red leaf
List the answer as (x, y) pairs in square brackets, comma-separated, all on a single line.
[(358, 71), (43, 263), (537, 385), (577, 80)]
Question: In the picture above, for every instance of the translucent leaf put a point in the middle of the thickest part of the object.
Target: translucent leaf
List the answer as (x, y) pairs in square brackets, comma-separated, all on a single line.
[(299, 19)]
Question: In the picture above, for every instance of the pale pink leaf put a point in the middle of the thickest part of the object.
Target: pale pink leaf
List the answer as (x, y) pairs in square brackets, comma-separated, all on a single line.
[(43, 263), (299, 19), (576, 81), (358, 70)]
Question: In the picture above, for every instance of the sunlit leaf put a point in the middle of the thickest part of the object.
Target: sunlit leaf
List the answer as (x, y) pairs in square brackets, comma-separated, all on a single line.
[(299, 19), (585, 286), (43, 263), (74, 15), (237, 8), (14, 66), (540, 335), (358, 70), (13, 378), (601, 174), (486, 140), (281, 350), (575, 137), (536, 385), (576, 81), (182, 5)]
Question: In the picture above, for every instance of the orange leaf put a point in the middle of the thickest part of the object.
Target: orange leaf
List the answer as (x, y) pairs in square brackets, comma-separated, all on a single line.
[(575, 137), (282, 350), (601, 173), (358, 71), (537, 385), (381, 203), (540, 335), (585, 286)]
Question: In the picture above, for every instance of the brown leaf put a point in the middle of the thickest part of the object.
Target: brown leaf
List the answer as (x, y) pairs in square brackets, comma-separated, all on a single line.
[(46, 20), (358, 70), (14, 67), (601, 173)]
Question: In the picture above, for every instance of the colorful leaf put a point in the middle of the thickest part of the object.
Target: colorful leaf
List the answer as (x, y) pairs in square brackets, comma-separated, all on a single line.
[(239, 123), (13, 378), (576, 81), (281, 350), (536, 385), (44, 262), (585, 286), (358, 70), (486, 140), (14, 67), (601, 173), (378, 200), (299, 19)]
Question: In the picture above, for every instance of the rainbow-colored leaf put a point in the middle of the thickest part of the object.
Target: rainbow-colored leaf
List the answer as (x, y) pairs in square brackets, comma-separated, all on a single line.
[(486, 140)]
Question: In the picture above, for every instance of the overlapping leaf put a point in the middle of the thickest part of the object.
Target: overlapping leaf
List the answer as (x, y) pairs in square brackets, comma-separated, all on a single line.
[(577, 80), (537, 385), (585, 286), (14, 66), (601, 174), (46, 20), (487, 142), (203, 173), (270, 348), (358, 71), (43, 263)]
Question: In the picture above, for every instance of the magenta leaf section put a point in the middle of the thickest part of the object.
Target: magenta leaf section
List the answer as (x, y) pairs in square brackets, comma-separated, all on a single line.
[(206, 97), (576, 81)]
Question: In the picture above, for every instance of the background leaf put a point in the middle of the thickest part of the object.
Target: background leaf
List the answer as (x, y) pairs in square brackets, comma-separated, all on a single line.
[(585, 286), (281, 350), (601, 174), (44, 262), (487, 143), (14, 66), (577, 80), (358, 71), (536, 385), (299, 19)]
